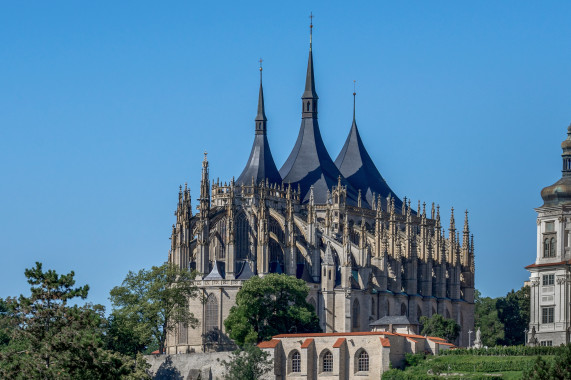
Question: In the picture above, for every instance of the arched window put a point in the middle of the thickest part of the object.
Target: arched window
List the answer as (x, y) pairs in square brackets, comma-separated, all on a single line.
[(356, 314), (312, 303), (242, 237), (362, 361), (373, 309), (308, 106), (552, 244), (327, 362), (296, 362), (418, 312), (403, 309), (546, 248), (211, 317), (182, 333), (447, 314)]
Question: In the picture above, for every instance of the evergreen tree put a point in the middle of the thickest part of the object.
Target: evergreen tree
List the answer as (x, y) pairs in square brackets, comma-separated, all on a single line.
[(539, 370), (52, 340)]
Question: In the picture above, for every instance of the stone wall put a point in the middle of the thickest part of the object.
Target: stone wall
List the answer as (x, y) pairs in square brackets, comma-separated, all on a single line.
[(203, 366)]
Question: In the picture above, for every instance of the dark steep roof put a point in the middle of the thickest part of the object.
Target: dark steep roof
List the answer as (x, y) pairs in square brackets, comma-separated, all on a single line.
[(356, 165), (309, 163), (261, 164)]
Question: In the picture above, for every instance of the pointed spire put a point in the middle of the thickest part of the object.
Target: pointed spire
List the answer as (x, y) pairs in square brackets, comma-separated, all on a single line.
[(354, 94), (309, 96), (261, 165), (466, 227), (261, 116), (452, 221)]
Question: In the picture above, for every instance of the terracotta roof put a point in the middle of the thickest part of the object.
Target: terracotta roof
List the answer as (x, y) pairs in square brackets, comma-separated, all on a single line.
[(412, 340), (548, 264), (307, 342), (269, 344), (340, 342), (317, 335), (435, 338), (446, 344), (412, 336), (385, 342)]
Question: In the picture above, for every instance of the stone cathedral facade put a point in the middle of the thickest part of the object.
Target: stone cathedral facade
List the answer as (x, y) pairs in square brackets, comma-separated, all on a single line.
[(363, 251)]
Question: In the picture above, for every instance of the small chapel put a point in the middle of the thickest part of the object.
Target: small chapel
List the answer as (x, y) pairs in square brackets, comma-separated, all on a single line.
[(364, 252)]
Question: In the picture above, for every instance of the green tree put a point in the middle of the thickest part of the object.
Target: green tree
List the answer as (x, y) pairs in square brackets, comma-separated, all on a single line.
[(486, 318), (271, 305), (7, 322), (248, 363), (539, 370), (561, 367), (441, 327), (513, 313), (150, 304), (52, 340)]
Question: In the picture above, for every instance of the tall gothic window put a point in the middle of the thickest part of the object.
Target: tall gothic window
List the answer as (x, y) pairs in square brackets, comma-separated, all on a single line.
[(182, 333), (312, 303), (363, 361), (296, 362), (221, 238), (552, 247), (356, 314), (242, 237), (327, 363), (403, 309), (211, 317)]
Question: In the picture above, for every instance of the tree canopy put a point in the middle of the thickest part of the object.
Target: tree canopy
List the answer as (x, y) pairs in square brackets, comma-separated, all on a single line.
[(503, 320), (271, 305), (50, 339), (149, 305), (249, 363), (441, 327)]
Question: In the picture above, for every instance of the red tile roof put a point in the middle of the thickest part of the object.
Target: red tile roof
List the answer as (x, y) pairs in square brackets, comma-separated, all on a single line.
[(307, 343), (385, 342), (269, 344), (339, 343), (547, 264), (317, 335), (412, 340)]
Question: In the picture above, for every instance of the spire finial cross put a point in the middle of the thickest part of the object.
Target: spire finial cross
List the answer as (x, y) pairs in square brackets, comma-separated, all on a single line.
[(310, 29)]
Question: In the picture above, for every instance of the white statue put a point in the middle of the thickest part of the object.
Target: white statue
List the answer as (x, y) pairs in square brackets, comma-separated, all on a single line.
[(478, 340)]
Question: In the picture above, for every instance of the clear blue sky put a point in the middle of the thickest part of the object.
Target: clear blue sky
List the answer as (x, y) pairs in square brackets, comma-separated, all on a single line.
[(106, 107)]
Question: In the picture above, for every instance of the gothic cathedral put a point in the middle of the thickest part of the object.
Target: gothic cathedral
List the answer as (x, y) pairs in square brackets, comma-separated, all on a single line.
[(363, 251)]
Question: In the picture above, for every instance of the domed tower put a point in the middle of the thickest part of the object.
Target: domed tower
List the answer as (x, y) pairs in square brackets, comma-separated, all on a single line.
[(550, 313)]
